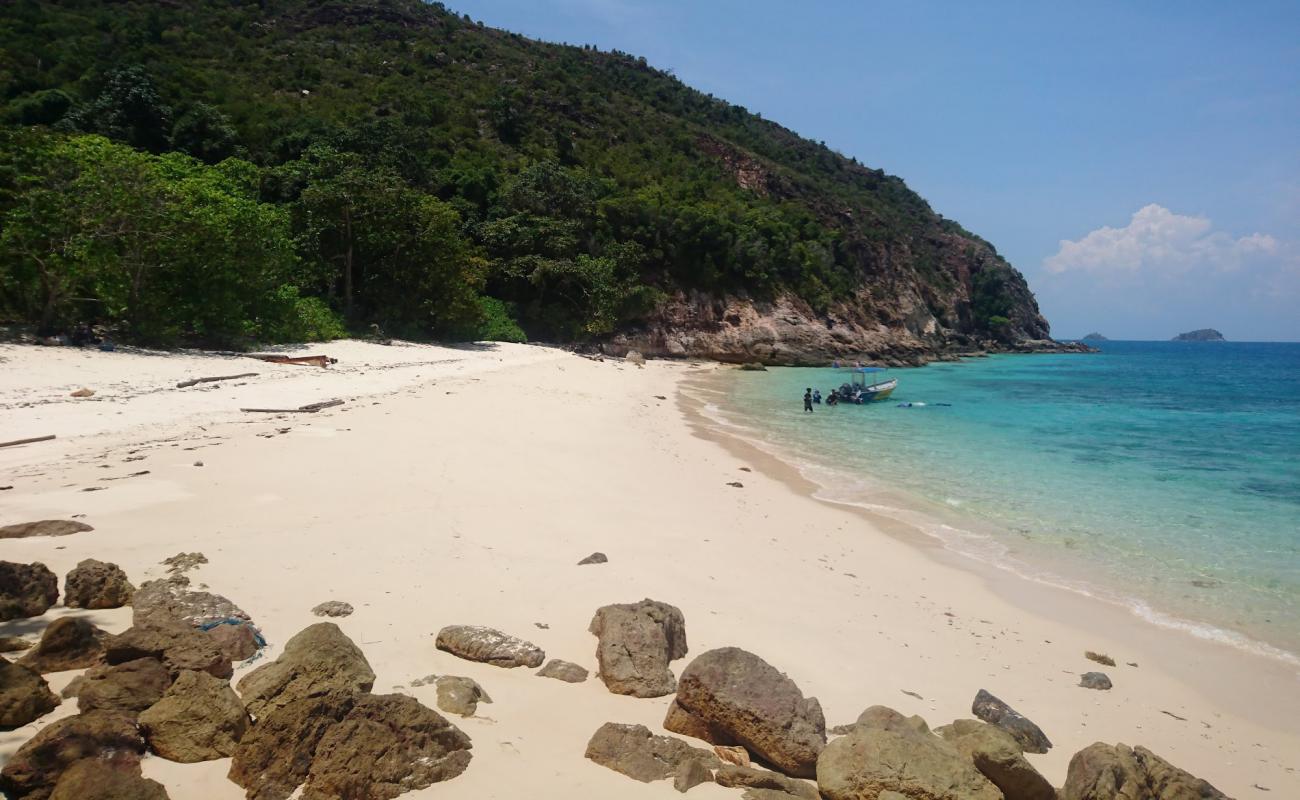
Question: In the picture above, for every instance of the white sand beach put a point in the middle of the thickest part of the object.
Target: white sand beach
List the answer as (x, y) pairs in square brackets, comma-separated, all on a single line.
[(463, 485)]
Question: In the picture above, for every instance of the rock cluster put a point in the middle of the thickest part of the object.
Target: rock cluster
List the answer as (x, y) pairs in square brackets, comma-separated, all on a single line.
[(635, 643)]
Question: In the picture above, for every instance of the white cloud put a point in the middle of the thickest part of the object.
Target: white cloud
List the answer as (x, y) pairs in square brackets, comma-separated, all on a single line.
[(1157, 239)]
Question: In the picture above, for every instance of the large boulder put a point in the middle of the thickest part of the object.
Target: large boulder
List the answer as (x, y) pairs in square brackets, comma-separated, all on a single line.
[(26, 590), (317, 661), (638, 754), (171, 599), (755, 705), (44, 527), (476, 643), (36, 768), (24, 695), (998, 757), (995, 712), (386, 745), (1118, 772), (635, 643), (200, 718), (131, 686), (96, 584), (273, 756), (68, 643), (898, 757), (177, 645), (735, 776), (106, 779)]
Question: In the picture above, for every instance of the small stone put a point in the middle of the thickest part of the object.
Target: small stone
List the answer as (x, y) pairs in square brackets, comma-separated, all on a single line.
[(732, 754), (459, 695), (594, 558), (84, 393), (332, 608), (1095, 680), (995, 712), (565, 671)]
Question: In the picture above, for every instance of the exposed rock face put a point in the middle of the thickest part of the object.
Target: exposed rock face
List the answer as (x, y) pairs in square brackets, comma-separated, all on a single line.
[(317, 661), (273, 756), (900, 758), (636, 642), (457, 695), (97, 584), (69, 643), (38, 765), (594, 558), (757, 706), (200, 718), (679, 720), (635, 752), (170, 600), (332, 608), (24, 695), (103, 779), (731, 775), (997, 755), (1105, 772), (26, 590), (1095, 680), (995, 712), (561, 670), (386, 745), (476, 643), (690, 774), (45, 527), (177, 645), (130, 687), (237, 642)]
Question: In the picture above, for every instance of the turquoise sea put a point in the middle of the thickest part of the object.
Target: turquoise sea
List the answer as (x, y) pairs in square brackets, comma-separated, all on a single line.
[(1164, 476)]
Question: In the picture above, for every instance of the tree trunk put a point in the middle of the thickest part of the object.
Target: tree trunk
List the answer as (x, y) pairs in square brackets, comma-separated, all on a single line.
[(347, 264)]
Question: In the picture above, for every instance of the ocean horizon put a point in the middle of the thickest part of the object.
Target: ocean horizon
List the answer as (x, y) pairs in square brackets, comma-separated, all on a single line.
[(1162, 476)]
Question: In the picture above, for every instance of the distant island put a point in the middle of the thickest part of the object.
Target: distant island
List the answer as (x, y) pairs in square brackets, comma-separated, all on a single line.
[(1095, 337), (1202, 335)]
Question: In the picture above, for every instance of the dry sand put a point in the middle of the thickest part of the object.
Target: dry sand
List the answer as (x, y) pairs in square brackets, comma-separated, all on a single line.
[(463, 485)]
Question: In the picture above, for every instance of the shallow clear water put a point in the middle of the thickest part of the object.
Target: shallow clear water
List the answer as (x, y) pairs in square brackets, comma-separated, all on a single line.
[(1162, 475)]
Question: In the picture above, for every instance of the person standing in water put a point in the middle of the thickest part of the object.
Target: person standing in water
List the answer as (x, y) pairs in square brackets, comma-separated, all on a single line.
[(807, 400)]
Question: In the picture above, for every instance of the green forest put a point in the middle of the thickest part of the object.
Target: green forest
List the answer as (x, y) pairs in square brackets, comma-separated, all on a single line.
[(232, 172)]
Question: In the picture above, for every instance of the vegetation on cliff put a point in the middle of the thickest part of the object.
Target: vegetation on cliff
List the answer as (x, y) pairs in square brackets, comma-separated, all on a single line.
[(219, 171)]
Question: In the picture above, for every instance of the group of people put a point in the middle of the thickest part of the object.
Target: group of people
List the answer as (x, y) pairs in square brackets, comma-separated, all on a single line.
[(813, 397)]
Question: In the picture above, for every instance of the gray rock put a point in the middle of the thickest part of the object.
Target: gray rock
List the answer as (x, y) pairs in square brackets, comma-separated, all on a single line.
[(757, 706), (477, 643), (565, 671), (45, 527), (635, 643), (459, 695), (995, 712), (1111, 772), (200, 718), (594, 558), (24, 695), (96, 584), (68, 643), (332, 608), (318, 660), (1095, 680), (26, 590), (635, 752)]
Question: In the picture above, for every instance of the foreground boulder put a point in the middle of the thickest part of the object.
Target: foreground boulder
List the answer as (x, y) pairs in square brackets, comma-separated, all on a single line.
[(386, 745), (898, 757), (735, 692), (68, 643), (131, 686), (318, 660), (459, 695), (995, 712), (106, 779), (732, 775), (200, 718), (36, 768), (638, 754), (24, 695), (26, 590), (97, 584), (476, 643), (45, 527), (635, 643), (176, 644), (273, 756), (998, 757), (1118, 772)]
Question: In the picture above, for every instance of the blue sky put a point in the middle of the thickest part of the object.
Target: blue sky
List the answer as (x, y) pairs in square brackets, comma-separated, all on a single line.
[(1139, 162)]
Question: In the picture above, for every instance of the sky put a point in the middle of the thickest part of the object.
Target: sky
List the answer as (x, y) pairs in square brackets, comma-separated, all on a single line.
[(1138, 162)]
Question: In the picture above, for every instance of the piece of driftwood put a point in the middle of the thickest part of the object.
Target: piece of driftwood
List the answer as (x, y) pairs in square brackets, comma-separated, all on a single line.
[(308, 361), (17, 442), (310, 408), (214, 379)]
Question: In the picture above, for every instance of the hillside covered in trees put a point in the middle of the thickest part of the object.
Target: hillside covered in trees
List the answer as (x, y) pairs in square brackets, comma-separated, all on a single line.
[(226, 172)]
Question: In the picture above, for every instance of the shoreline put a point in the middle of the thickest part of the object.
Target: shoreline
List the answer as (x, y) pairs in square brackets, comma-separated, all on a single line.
[(468, 496)]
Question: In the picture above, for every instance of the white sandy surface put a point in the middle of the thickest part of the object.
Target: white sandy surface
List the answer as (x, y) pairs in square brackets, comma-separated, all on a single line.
[(461, 486)]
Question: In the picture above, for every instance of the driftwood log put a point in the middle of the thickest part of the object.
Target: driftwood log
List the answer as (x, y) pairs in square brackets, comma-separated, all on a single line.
[(307, 361), (32, 440), (310, 408), (214, 379)]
